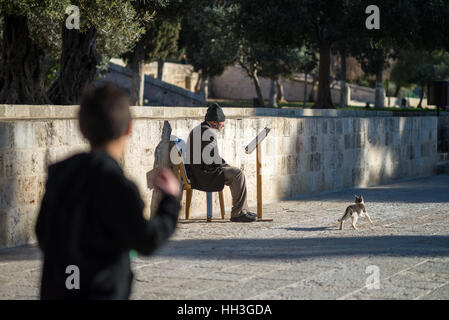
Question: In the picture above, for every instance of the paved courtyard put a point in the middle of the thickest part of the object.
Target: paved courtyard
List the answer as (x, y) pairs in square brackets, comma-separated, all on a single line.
[(300, 255)]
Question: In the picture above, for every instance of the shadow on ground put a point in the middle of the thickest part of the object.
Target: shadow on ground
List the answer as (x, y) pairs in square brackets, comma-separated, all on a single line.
[(308, 229), (287, 248), (22, 253), (294, 248), (414, 191)]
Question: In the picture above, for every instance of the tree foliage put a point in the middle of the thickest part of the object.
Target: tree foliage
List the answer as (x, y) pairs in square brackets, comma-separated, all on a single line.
[(209, 38)]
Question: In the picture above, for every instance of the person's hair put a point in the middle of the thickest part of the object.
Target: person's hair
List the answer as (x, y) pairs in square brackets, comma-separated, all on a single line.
[(104, 114)]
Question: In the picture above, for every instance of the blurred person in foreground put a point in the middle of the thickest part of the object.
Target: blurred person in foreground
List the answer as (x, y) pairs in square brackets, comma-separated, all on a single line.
[(91, 215)]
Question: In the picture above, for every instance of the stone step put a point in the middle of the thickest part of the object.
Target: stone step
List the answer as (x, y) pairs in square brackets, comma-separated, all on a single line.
[(442, 167)]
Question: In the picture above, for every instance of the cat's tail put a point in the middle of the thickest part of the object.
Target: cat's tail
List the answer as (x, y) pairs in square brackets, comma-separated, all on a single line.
[(346, 215)]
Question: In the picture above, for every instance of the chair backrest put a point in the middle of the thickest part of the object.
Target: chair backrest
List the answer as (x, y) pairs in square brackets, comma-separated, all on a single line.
[(180, 146)]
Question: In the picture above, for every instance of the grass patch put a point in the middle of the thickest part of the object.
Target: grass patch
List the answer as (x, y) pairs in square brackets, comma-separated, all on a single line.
[(393, 109), (300, 105)]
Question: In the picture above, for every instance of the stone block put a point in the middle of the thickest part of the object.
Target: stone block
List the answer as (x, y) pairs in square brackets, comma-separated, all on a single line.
[(313, 144), (6, 136), (314, 161), (23, 135), (339, 126), (357, 176), (349, 141), (16, 226)]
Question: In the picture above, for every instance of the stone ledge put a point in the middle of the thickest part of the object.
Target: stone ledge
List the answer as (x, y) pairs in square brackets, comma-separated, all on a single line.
[(15, 112)]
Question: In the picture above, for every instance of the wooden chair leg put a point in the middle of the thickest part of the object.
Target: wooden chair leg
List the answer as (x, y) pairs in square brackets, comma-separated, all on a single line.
[(188, 202), (222, 208), (182, 197)]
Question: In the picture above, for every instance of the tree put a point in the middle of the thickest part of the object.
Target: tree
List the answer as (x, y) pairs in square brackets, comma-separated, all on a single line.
[(374, 56), (281, 62), (433, 31), (106, 28), (321, 23), (250, 59), (159, 39), (374, 49), (29, 40), (166, 43), (342, 48), (209, 38), (400, 74), (318, 23), (415, 66)]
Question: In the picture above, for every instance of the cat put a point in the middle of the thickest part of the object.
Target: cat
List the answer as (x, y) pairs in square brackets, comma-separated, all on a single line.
[(355, 211)]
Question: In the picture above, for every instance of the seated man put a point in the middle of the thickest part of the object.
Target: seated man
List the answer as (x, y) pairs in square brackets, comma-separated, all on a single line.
[(208, 171)]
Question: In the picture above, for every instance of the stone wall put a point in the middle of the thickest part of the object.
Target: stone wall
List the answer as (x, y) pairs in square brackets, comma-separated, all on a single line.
[(306, 151), (181, 75), (177, 74), (443, 134), (156, 92), (235, 84)]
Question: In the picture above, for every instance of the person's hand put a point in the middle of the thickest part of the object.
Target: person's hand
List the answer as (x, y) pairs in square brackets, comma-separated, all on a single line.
[(165, 181)]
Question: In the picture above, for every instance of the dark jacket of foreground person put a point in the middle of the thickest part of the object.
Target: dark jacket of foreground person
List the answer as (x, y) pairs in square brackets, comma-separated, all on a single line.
[(204, 176), (91, 217)]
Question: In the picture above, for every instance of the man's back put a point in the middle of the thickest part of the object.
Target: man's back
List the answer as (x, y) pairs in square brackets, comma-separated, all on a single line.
[(204, 175)]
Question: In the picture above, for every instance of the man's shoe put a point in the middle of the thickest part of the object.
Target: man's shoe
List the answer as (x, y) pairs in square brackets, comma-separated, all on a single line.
[(251, 214), (244, 218)]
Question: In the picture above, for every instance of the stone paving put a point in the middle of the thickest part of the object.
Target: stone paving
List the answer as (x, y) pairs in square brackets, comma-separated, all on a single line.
[(300, 255)]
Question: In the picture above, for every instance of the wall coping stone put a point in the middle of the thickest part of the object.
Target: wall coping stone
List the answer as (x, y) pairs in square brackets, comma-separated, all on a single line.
[(23, 112)]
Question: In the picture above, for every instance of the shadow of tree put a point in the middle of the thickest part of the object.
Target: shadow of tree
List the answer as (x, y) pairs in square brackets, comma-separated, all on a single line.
[(416, 190), (295, 249), (309, 229)]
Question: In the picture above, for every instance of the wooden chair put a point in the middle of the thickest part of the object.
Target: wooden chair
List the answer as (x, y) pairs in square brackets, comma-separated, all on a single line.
[(186, 185)]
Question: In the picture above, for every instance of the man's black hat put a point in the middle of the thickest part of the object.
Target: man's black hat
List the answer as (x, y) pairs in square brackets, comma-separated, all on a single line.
[(215, 113)]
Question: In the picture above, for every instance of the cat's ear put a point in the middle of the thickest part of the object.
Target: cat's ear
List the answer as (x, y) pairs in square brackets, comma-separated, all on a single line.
[(361, 197), (356, 196)]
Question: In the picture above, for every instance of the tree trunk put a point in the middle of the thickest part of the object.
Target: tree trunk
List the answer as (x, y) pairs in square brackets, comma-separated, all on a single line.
[(379, 95), (305, 90), (421, 95), (137, 64), (273, 94), (79, 60), (23, 67), (396, 92), (280, 91), (204, 87), (387, 91), (160, 68), (312, 92), (210, 88), (324, 100), (256, 81), (343, 92), (198, 82)]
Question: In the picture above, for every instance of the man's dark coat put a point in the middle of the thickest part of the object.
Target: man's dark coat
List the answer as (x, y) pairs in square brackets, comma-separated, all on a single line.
[(204, 176), (91, 216)]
